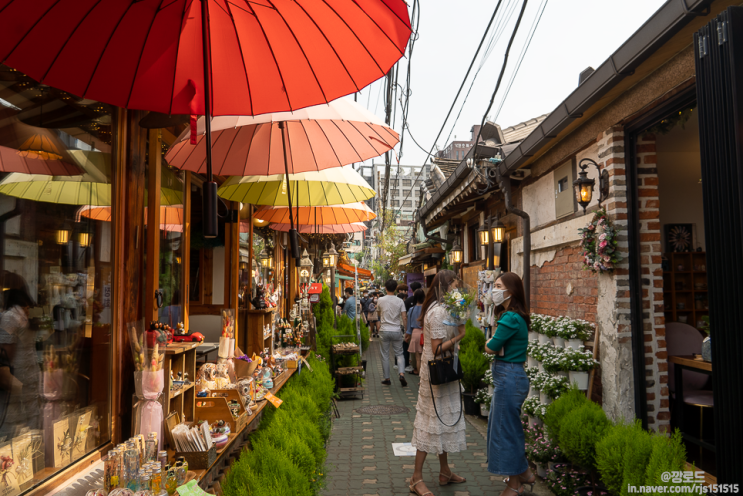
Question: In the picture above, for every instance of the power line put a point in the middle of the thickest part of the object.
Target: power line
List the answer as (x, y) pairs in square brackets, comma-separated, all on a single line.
[(534, 27)]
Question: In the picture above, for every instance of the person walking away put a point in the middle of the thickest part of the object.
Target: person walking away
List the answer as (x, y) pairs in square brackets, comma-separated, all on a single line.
[(365, 305), (439, 427), (402, 293), (414, 330), (374, 316), (349, 305), (410, 301), (393, 320), (506, 454)]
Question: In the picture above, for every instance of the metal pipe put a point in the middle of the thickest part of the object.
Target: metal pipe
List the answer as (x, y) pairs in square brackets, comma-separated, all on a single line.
[(505, 187)]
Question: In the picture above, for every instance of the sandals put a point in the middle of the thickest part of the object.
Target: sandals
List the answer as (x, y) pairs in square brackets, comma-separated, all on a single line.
[(528, 482), (449, 479), (520, 493), (415, 491)]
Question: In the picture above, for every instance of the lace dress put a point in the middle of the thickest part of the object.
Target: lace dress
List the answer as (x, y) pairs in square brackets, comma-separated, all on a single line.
[(429, 433)]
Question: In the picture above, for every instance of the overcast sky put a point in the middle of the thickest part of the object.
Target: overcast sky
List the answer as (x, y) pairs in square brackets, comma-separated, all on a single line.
[(572, 35)]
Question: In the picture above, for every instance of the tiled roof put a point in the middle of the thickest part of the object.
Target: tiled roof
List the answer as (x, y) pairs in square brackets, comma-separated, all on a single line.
[(447, 166), (521, 130)]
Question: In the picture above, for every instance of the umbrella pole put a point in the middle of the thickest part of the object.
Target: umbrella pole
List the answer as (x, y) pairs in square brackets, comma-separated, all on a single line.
[(293, 240), (210, 224)]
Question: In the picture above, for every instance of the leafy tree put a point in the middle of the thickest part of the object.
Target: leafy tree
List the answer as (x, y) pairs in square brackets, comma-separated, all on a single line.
[(391, 245)]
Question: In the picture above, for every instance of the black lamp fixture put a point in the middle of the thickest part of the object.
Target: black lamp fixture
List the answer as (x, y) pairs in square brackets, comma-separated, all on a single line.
[(456, 254), (584, 186), (484, 234), (265, 259), (330, 257), (497, 231)]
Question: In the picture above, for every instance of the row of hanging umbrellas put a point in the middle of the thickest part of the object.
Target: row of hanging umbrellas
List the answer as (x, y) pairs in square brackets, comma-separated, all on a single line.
[(225, 58)]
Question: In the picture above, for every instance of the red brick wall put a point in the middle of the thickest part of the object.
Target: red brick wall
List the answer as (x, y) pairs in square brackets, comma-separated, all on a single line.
[(549, 287)]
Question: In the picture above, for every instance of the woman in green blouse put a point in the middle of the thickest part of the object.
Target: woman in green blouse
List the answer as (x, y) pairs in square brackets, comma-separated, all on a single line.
[(506, 454)]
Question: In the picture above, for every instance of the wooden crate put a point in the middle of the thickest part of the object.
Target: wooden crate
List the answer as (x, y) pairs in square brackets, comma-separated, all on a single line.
[(213, 409)]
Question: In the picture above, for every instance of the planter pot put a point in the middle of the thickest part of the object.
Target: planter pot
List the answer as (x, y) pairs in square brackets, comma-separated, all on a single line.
[(551, 466), (541, 367), (470, 407), (707, 349), (581, 378), (363, 364), (558, 342), (573, 343), (533, 392), (531, 362), (530, 420), (543, 338), (538, 422), (490, 390), (541, 470), (533, 336), (562, 373), (544, 399), (484, 410)]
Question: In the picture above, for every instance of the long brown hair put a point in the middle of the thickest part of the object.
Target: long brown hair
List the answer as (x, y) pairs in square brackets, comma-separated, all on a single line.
[(515, 286), (439, 286)]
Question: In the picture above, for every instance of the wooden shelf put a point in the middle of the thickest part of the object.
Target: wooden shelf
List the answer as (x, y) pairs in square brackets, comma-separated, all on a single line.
[(688, 277), (180, 391)]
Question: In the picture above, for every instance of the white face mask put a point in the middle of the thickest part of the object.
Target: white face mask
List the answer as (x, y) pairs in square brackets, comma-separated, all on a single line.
[(499, 296)]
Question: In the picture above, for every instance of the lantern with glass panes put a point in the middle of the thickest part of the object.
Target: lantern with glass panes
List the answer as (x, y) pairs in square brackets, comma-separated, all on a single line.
[(456, 254), (305, 267), (584, 185)]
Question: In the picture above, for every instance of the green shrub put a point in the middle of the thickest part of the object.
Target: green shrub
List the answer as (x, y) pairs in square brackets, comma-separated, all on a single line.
[(474, 365), (473, 337), (556, 411), (668, 455), (323, 311), (580, 431), (624, 449)]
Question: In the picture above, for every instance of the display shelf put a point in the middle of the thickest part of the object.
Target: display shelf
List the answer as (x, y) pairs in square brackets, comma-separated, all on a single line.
[(180, 357), (685, 296), (251, 325)]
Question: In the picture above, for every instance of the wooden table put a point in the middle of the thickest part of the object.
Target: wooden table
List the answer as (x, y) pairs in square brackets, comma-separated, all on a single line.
[(692, 363)]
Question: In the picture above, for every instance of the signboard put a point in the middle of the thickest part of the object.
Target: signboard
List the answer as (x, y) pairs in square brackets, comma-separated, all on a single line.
[(430, 272), (315, 288), (314, 298)]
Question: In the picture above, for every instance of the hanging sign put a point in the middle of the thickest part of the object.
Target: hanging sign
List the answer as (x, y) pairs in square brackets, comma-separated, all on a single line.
[(274, 400)]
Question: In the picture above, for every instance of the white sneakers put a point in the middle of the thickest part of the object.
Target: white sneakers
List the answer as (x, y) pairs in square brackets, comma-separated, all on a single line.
[(409, 368)]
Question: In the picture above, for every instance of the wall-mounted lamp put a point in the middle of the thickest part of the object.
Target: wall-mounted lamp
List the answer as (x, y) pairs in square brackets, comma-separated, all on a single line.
[(584, 186), (497, 231), (330, 257), (456, 255), (83, 239), (484, 234)]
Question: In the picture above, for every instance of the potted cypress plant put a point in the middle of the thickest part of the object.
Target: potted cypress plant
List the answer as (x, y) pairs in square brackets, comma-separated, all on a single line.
[(474, 365)]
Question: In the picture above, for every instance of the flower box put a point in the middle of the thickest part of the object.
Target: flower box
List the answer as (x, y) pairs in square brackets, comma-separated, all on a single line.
[(580, 378), (533, 336), (541, 470), (544, 339), (540, 366), (484, 410), (544, 399), (558, 342), (533, 392), (573, 343), (531, 362)]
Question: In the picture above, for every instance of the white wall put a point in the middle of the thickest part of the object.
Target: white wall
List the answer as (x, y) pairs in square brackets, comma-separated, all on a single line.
[(679, 172), (539, 200)]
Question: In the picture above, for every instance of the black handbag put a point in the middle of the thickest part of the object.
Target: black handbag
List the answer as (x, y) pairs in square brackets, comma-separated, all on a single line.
[(441, 371)]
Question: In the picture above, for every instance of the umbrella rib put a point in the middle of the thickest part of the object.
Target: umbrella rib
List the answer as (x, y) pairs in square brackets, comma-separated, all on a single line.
[(309, 142), (64, 44), (402, 52), (273, 55), (29, 30), (325, 97), (175, 66), (330, 143), (139, 60), (343, 20), (229, 148), (242, 57), (361, 159), (332, 47)]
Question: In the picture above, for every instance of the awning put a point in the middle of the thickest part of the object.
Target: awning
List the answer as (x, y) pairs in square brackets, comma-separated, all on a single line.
[(405, 260), (363, 273)]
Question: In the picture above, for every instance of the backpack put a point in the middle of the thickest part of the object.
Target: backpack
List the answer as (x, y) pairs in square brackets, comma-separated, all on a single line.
[(372, 307)]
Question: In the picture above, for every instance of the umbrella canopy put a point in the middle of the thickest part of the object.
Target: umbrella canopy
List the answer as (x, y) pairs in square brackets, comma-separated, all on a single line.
[(171, 218), (331, 214), (262, 55), (328, 187), (317, 138), (12, 160), (322, 229), (90, 188)]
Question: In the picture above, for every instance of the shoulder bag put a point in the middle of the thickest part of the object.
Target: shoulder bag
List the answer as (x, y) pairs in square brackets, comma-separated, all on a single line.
[(441, 371)]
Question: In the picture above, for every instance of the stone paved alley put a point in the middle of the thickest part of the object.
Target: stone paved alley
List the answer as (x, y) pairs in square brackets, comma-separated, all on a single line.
[(360, 456)]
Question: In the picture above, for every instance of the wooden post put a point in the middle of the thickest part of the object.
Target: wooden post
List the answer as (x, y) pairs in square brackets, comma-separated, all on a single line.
[(251, 255), (186, 247), (152, 276), (234, 273)]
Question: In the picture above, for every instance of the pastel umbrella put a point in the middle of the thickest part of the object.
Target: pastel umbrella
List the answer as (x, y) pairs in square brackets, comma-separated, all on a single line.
[(316, 138), (171, 218), (323, 229), (12, 160), (327, 187), (90, 188), (331, 214)]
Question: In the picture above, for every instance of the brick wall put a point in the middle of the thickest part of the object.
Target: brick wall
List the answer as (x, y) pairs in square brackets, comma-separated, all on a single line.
[(656, 366), (562, 288)]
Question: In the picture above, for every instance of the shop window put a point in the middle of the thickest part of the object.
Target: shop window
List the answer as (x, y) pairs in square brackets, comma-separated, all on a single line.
[(171, 247), (406, 182), (207, 261), (56, 270)]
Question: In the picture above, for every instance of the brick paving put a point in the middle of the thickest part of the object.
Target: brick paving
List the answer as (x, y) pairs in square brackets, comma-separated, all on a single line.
[(360, 457)]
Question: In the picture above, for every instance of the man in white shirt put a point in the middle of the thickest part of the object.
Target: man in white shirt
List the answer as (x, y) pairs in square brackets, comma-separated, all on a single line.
[(393, 320)]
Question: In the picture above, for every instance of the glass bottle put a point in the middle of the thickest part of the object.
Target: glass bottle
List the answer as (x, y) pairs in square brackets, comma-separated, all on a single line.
[(180, 473), (171, 483), (111, 471), (156, 483), (131, 469), (144, 486), (150, 452), (162, 457)]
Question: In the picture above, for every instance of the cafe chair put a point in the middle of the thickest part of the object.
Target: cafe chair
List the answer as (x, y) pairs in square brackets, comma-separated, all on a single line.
[(683, 339)]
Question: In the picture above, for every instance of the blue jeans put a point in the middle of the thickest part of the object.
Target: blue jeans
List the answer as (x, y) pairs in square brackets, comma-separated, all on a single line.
[(506, 455)]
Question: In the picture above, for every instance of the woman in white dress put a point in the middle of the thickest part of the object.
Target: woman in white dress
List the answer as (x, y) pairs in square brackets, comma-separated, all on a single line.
[(438, 430)]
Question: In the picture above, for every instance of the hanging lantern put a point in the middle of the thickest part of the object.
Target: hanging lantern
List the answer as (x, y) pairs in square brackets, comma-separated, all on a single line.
[(243, 265), (330, 257), (265, 258), (63, 236), (497, 231), (584, 186), (456, 255), (496, 254), (484, 236), (83, 239)]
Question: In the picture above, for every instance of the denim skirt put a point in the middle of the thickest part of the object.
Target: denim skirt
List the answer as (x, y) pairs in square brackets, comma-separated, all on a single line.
[(506, 454)]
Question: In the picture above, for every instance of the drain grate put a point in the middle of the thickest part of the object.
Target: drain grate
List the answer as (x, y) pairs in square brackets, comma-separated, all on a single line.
[(382, 410)]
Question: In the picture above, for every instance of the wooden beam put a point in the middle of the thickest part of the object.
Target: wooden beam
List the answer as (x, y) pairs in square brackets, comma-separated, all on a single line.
[(235, 271), (154, 172), (207, 270)]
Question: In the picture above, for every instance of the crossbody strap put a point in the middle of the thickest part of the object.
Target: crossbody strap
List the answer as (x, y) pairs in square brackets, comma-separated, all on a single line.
[(461, 405)]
